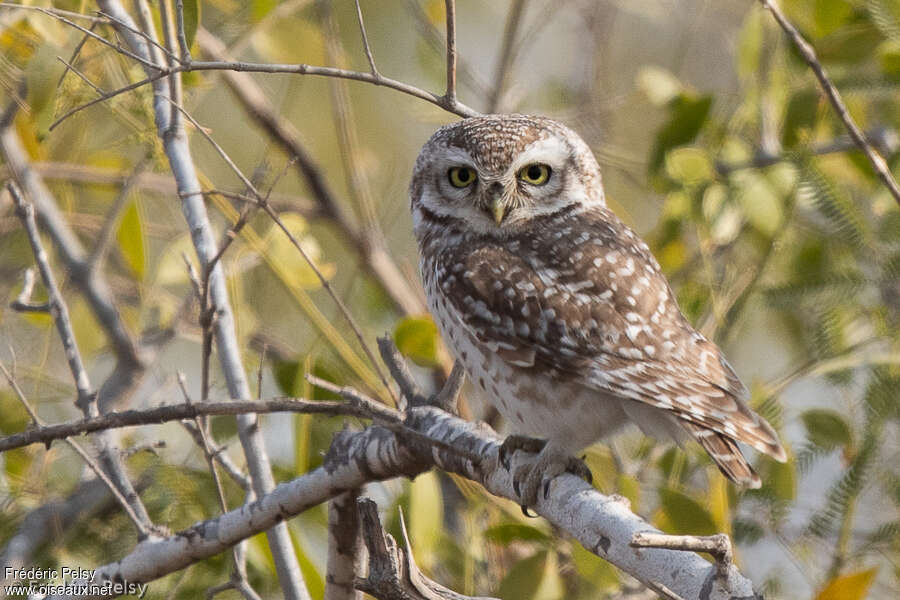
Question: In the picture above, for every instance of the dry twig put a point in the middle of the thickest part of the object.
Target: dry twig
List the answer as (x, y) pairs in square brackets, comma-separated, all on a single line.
[(834, 97)]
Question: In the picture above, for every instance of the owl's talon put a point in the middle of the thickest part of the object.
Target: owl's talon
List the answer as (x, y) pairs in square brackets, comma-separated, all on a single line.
[(527, 514), (518, 442)]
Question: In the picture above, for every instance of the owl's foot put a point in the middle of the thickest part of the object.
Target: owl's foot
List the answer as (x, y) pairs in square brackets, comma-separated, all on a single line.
[(552, 460), (515, 442)]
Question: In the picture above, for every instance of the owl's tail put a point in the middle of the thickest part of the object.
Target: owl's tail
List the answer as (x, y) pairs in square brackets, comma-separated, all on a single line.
[(725, 453)]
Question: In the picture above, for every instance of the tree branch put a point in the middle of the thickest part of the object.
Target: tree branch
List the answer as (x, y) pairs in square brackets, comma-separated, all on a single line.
[(834, 97), (175, 145), (345, 549)]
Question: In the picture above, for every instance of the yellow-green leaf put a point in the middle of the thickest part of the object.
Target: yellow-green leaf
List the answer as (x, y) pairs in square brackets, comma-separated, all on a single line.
[(131, 240), (426, 518), (681, 514), (416, 337), (600, 573), (536, 578), (689, 166), (294, 268), (852, 586), (191, 20)]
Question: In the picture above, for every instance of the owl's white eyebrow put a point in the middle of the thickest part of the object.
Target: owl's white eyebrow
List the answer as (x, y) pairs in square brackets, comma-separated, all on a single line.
[(549, 150)]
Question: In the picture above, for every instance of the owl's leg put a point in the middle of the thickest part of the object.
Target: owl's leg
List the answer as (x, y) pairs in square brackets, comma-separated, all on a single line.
[(515, 442), (552, 460)]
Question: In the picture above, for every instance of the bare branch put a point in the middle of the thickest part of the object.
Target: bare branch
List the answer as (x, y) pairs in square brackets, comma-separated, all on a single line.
[(258, 106), (23, 303), (450, 94), (143, 525), (345, 549), (45, 434), (345, 312), (182, 38), (177, 149), (809, 55), (447, 398), (58, 309), (365, 39), (718, 545), (393, 573)]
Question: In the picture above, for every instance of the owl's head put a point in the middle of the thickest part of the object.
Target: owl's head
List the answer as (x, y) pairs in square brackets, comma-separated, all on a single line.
[(494, 174)]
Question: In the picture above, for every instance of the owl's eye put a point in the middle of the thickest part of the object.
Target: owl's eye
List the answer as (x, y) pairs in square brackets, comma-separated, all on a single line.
[(535, 174), (461, 177)]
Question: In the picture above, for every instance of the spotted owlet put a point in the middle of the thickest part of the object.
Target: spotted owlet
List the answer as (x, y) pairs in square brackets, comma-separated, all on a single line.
[(558, 311)]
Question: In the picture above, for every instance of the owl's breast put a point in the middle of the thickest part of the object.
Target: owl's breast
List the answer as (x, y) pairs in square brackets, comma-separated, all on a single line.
[(533, 399)]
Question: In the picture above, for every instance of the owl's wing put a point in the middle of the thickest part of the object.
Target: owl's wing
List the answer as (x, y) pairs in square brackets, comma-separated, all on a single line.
[(585, 299)]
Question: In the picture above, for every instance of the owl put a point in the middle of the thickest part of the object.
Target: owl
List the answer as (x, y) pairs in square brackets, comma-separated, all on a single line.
[(557, 310)]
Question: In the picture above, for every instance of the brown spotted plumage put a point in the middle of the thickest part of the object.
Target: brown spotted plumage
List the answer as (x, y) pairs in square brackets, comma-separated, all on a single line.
[(557, 310)]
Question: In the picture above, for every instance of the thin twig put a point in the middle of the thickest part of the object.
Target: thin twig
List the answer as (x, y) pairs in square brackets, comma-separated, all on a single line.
[(90, 462), (74, 55), (450, 104), (718, 545), (176, 412), (322, 279), (809, 55), (82, 76), (365, 39), (182, 37), (257, 104), (58, 308), (450, 94), (23, 303), (107, 232)]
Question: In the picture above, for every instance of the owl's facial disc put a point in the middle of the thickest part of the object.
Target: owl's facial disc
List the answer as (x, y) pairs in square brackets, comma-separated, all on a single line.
[(495, 174)]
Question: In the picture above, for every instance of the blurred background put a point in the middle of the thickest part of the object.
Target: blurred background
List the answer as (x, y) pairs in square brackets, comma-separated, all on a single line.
[(716, 146)]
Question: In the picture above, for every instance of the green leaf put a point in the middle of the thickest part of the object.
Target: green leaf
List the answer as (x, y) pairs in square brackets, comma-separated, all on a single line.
[(260, 8), (417, 338), (131, 240), (659, 85), (599, 573), (826, 428), (191, 20), (750, 42), (853, 586), (290, 262), (510, 532), (759, 202), (312, 578), (41, 75), (426, 518), (688, 166), (534, 578), (800, 117), (829, 15), (687, 115), (681, 514)]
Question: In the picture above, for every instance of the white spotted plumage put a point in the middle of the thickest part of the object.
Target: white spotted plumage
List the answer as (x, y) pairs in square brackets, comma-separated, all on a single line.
[(558, 312)]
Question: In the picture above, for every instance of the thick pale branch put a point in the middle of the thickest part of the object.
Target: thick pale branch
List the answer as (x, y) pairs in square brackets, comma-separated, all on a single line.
[(601, 524), (345, 549)]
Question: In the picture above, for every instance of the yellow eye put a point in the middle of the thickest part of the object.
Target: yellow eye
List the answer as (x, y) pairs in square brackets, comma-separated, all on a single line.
[(535, 174), (461, 177)]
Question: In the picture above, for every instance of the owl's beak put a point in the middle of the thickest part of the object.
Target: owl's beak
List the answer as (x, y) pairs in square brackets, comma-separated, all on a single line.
[(498, 208)]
